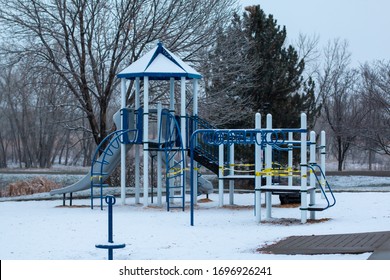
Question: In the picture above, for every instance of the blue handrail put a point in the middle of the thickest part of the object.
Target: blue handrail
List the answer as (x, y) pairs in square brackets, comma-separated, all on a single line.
[(329, 204)]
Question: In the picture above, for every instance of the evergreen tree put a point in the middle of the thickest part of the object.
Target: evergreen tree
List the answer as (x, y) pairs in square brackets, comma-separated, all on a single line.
[(252, 70)]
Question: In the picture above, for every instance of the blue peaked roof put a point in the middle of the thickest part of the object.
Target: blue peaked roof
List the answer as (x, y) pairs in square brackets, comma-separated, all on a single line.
[(159, 64)]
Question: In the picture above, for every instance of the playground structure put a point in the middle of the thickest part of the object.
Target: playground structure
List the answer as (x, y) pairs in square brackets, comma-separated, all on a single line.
[(169, 144), (180, 135), (220, 142)]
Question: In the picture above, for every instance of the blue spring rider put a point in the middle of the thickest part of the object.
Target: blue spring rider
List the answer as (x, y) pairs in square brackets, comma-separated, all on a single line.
[(110, 246)]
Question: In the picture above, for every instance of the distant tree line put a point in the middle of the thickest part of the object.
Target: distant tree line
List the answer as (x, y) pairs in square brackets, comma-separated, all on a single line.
[(355, 104), (58, 85)]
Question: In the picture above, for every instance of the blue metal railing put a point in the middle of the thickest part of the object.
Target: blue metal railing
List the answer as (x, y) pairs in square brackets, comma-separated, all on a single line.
[(329, 204), (207, 153)]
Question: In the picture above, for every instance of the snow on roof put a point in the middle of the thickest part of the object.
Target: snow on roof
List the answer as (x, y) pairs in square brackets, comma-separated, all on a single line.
[(159, 64)]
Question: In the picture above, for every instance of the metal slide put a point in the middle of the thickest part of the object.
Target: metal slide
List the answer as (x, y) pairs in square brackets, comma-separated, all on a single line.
[(113, 158)]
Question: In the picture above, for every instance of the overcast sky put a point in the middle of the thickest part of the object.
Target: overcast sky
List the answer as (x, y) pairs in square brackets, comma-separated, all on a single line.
[(365, 24)]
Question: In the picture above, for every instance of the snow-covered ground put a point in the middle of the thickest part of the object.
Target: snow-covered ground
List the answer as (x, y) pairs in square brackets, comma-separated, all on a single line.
[(43, 230)]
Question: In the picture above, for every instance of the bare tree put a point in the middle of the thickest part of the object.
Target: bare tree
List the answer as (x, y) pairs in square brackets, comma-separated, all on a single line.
[(376, 94), (86, 43), (228, 69), (340, 99), (308, 50), (4, 131), (31, 114)]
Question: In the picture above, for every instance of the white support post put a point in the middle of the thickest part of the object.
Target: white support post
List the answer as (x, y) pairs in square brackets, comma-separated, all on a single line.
[(137, 92), (137, 174), (137, 151), (159, 159), (172, 94), (258, 168), (231, 173), (183, 129), (220, 174), (195, 113), (159, 178), (290, 159), (312, 175), (123, 146), (322, 161), (183, 111), (171, 110), (268, 166), (146, 141), (195, 97), (303, 169)]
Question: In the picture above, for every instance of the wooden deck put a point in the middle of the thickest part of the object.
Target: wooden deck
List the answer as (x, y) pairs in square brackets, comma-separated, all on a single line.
[(355, 243)]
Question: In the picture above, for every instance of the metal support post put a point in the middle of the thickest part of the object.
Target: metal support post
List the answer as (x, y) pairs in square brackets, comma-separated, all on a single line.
[(220, 174), (303, 169), (258, 169), (231, 173), (110, 246), (312, 175), (268, 167)]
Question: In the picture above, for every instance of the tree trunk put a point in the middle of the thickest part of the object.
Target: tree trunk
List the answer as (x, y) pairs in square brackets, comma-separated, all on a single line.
[(340, 154)]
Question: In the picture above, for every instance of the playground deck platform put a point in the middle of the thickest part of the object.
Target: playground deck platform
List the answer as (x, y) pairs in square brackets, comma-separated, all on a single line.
[(354, 243)]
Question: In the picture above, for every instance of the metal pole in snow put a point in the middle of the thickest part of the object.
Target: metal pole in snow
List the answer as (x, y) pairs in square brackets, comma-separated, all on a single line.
[(110, 246), (110, 200), (312, 176)]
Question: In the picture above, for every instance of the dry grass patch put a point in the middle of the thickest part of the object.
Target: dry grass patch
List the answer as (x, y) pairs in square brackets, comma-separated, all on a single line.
[(73, 206), (204, 200), (291, 221), (27, 187)]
